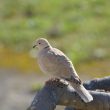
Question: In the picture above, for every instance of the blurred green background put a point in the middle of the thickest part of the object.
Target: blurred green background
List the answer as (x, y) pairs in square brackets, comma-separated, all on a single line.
[(80, 28)]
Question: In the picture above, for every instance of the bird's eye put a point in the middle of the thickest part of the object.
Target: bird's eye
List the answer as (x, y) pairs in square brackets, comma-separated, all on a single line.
[(39, 43)]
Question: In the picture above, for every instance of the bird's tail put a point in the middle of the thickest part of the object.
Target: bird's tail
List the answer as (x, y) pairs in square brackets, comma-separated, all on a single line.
[(83, 93)]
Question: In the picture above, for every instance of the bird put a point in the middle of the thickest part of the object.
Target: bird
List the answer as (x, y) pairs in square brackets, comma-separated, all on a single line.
[(54, 62)]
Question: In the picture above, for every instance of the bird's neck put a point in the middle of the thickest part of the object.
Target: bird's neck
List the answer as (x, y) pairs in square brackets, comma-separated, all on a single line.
[(47, 47)]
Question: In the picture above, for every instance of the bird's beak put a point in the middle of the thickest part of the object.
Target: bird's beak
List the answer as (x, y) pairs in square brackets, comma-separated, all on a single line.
[(34, 46)]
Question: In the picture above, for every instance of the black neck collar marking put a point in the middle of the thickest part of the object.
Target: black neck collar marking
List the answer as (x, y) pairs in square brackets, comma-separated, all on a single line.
[(46, 47)]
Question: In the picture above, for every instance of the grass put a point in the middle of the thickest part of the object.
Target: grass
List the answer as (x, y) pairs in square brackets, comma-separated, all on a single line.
[(81, 26), (36, 87)]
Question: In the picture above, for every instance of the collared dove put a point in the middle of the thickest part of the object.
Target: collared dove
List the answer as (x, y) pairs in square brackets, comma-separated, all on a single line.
[(54, 62)]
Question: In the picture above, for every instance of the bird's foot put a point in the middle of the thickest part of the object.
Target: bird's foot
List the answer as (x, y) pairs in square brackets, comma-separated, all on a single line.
[(53, 79), (57, 82)]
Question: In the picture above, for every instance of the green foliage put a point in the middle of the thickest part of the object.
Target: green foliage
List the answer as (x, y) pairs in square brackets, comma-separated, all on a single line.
[(81, 25), (36, 87)]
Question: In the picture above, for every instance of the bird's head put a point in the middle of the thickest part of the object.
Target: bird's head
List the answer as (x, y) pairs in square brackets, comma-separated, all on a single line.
[(41, 43)]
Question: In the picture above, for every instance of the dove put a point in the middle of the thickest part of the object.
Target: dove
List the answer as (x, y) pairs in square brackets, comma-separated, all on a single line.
[(54, 62)]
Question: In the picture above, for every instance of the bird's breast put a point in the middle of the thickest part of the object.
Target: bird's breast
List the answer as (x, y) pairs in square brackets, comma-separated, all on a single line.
[(46, 65)]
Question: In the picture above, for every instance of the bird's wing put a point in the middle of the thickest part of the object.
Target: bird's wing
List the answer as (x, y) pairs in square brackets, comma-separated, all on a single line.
[(63, 59), (64, 63)]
